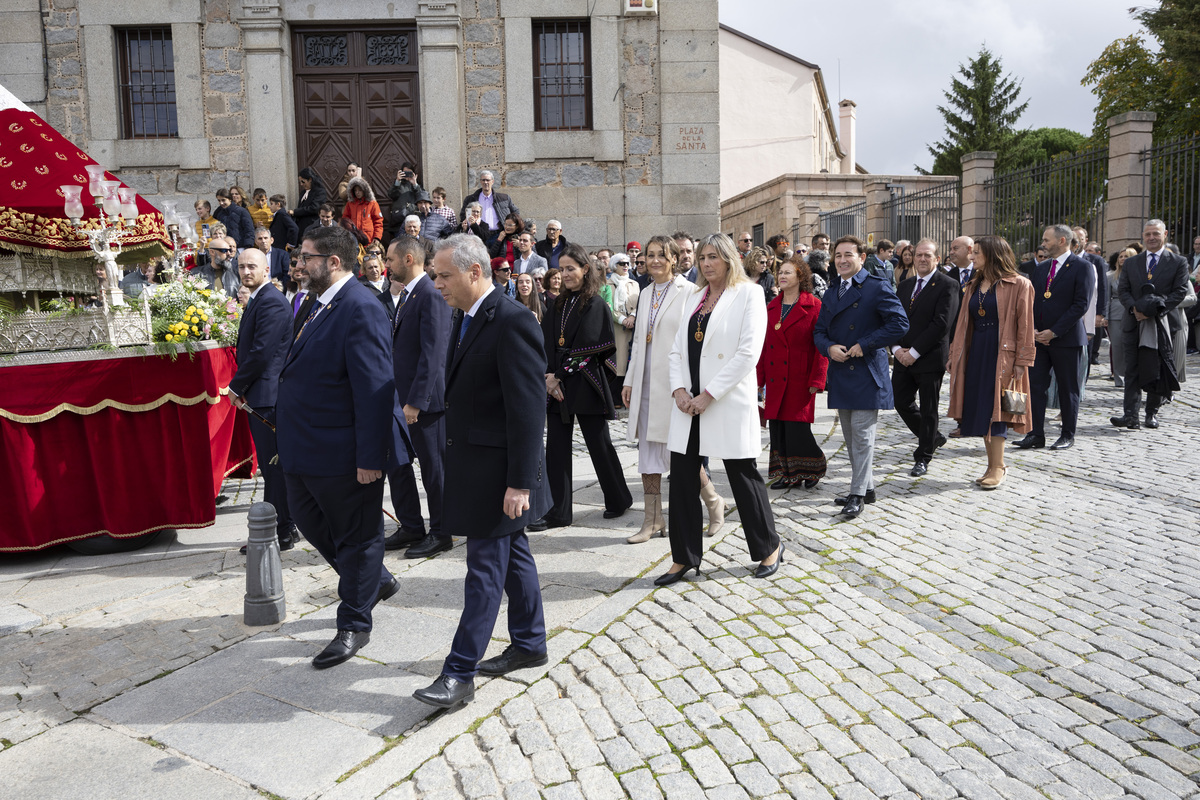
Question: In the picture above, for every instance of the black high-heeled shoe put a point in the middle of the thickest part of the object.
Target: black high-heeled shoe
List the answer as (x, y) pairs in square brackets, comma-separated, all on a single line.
[(667, 578), (765, 570)]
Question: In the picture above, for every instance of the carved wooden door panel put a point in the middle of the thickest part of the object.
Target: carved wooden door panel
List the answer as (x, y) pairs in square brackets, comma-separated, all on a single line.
[(357, 99)]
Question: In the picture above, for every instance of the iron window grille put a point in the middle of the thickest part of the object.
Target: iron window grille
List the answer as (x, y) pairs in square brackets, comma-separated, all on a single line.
[(146, 82), (562, 76)]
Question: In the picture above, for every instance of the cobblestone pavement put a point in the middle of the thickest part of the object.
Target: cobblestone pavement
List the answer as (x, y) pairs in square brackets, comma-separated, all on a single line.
[(1040, 641)]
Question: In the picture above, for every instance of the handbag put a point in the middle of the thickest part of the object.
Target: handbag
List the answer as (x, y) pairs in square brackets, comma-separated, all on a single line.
[(1013, 401)]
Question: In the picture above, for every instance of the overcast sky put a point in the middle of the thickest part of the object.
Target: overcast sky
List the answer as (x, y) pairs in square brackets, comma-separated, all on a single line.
[(897, 57)]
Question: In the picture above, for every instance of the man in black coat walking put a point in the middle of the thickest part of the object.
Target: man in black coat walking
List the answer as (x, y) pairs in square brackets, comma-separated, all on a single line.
[(494, 453), (931, 300), (263, 339)]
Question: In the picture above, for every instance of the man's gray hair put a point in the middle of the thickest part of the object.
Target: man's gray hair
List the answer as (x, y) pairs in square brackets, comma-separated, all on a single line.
[(1062, 231), (412, 216), (488, 173), (466, 249), (1155, 223), (261, 229)]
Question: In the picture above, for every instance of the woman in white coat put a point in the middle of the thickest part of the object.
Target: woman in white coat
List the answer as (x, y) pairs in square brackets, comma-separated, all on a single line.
[(715, 387), (647, 390)]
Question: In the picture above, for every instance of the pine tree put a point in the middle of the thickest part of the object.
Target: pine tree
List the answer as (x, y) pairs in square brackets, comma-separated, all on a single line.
[(981, 113)]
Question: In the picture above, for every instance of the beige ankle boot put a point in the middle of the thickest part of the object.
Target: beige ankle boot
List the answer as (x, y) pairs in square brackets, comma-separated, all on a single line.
[(716, 508), (653, 525)]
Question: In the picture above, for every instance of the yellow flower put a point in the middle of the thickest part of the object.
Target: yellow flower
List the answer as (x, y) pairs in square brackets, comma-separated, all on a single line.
[(169, 337), (195, 329), (204, 317), (195, 320), (191, 310)]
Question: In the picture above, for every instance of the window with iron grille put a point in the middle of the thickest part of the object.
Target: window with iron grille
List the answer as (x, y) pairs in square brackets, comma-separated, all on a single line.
[(146, 80), (757, 233), (562, 75)]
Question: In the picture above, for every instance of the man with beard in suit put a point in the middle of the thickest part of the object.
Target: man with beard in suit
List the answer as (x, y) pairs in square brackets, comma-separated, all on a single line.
[(931, 299), (1153, 283), (339, 428), (420, 335), (495, 453)]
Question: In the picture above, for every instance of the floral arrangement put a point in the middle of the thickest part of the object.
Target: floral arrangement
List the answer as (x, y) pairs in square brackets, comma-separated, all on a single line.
[(188, 311)]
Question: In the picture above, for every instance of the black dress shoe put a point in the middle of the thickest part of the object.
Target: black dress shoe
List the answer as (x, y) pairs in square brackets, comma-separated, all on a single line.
[(431, 545), (939, 441), (1125, 422), (1031, 442), (287, 540), (387, 591), (868, 498), (919, 469), (342, 648), (1151, 421), (446, 692), (667, 578), (555, 523), (403, 537), (767, 570), (783, 484), (1063, 443), (811, 484), (513, 658), (853, 506), (614, 514), (538, 524)]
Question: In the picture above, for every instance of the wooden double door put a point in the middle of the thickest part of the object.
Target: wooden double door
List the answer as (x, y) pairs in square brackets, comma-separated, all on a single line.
[(357, 100)]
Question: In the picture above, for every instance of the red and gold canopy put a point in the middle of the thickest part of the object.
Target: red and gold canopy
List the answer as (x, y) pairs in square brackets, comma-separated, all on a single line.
[(35, 160)]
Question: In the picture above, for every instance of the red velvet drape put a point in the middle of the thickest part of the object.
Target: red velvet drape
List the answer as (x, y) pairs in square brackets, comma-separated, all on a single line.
[(142, 465)]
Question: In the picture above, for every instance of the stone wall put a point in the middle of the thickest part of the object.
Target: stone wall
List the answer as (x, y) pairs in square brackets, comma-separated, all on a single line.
[(66, 99), (483, 65)]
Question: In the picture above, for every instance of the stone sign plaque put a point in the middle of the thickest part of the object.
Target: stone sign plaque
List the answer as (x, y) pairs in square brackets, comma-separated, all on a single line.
[(684, 138)]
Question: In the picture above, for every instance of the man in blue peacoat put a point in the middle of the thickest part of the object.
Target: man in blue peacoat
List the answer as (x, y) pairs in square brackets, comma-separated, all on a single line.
[(339, 429), (495, 461), (860, 319)]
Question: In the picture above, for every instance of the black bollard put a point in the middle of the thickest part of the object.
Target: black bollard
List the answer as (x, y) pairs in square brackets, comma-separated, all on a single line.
[(265, 603)]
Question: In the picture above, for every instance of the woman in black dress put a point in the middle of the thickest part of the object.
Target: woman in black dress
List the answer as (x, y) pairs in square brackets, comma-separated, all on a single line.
[(579, 339)]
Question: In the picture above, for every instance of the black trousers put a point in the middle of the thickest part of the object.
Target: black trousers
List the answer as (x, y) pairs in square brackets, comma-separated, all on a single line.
[(1133, 388), (922, 419), (274, 486), (428, 438), (1094, 344), (604, 459), (1064, 363), (497, 567), (686, 513), (343, 519)]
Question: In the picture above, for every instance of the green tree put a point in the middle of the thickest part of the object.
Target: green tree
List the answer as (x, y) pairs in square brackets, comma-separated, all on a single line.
[(1131, 75), (981, 113), (1043, 144)]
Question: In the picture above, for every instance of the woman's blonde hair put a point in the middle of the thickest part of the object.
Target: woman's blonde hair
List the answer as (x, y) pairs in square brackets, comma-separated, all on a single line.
[(727, 252)]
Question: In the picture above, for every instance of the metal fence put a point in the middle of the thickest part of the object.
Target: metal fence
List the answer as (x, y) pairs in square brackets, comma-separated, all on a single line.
[(1070, 190), (932, 213), (848, 221), (1171, 171)]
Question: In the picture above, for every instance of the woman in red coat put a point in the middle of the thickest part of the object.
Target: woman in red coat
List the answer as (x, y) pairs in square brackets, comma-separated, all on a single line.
[(792, 372)]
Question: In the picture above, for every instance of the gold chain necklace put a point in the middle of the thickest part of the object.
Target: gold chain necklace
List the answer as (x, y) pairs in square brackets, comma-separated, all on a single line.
[(699, 334), (656, 299), (562, 324)]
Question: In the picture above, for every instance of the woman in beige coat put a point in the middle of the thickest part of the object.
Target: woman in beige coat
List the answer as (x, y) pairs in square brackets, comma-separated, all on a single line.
[(647, 391), (992, 350)]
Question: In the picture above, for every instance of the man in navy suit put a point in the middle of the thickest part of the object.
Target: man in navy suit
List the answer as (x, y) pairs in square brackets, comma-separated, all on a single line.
[(860, 319), (278, 260), (1062, 290), (338, 431), (1153, 284), (263, 338), (420, 336), (494, 453), (931, 299)]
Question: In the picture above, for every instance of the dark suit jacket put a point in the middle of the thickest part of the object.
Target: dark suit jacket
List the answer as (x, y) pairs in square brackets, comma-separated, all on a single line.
[(302, 313), (930, 320), (284, 229), (263, 338), (280, 263), (389, 303), (955, 273), (336, 411), (546, 251), (869, 315), (1101, 281), (1026, 268), (1062, 312), (371, 288), (495, 390), (420, 339), (1166, 291), (500, 201)]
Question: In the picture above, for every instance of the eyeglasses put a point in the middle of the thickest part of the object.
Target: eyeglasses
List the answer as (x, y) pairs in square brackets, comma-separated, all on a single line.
[(745, 241), (307, 257), (219, 249)]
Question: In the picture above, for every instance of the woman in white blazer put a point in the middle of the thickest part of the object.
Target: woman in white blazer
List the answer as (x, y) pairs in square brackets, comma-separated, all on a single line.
[(715, 387), (647, 390)]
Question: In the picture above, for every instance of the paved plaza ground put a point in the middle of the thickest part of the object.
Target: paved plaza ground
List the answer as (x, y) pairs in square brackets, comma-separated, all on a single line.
[(1040, 641)]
